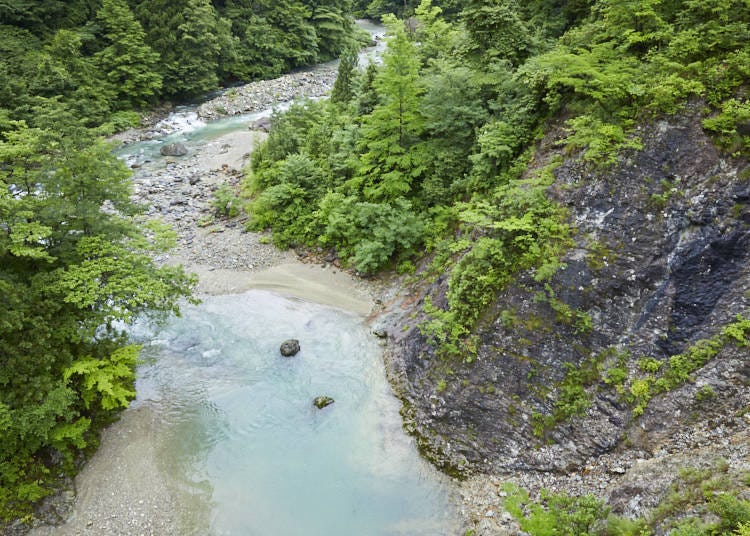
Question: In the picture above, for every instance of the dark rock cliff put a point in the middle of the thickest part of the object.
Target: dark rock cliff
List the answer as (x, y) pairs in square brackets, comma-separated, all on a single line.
[(660, 260)]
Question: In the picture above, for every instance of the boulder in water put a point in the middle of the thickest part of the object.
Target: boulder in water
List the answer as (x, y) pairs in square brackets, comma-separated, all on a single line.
[(174, 149), (289, 347), (322, 401)]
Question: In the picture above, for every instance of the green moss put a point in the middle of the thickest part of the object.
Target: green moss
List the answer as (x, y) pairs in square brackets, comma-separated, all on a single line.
[(599, 255), (573, 398)]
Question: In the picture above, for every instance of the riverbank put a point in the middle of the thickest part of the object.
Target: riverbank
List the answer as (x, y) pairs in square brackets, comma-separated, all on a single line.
[(123, 489)]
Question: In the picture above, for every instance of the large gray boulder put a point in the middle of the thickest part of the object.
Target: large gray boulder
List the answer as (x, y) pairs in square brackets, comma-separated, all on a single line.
[(289, 348), (174, 149)]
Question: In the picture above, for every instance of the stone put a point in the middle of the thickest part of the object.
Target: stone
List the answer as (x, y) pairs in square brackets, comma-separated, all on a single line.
[(322, 401), (174, 149), (289, 347), (380, 333), (263, 124)]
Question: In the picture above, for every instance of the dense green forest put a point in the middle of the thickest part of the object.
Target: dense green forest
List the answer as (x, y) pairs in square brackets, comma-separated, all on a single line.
[(431, 151), (434, 150), (104, 58)]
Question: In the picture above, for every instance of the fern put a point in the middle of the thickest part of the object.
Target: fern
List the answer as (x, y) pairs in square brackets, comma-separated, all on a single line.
[(109, 381)]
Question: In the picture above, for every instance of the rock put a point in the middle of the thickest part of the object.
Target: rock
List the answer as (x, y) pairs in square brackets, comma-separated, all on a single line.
[(289, 348), (174, 149), (682, 279), (322, 401), (380, 333), (263, 124)]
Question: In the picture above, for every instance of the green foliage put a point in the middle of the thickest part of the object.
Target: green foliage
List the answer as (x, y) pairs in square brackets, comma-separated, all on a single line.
[(700, 502), (448, 122), (71, 276), (555, 514), (369, 234), (127, 62), (287, 206), (732, 512), (343, 87), (225, 203), (497, 31), (732, 126), (522, 228), (656, 377), (98, 56), (638, 57), (110, 383), (620, 526), (710, 495), (392, 160), (572, 396)]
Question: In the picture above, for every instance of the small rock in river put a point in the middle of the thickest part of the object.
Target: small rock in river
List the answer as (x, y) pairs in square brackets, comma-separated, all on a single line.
[(289, 347), (322, 401)]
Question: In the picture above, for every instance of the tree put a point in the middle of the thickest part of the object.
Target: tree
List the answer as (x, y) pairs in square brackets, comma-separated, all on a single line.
[(497, 30), (127, 62), (391, 159), (342, 88), (333, 28), (75, 266), (199, 38)]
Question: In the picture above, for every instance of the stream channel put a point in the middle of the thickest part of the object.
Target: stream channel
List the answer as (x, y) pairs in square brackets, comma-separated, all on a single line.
[(233, 429)]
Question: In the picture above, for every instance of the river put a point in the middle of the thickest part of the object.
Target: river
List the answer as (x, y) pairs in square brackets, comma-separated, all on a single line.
[(241, 437), (223, 438)]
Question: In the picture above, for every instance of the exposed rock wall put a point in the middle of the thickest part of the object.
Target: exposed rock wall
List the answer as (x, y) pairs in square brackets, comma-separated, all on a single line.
[(660, 260)]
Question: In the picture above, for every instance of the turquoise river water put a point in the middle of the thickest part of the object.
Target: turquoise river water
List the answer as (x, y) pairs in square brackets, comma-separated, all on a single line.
[(238, 433), (241, 437)]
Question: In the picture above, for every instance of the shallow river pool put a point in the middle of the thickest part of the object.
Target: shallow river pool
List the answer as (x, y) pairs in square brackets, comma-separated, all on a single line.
[(242, 439)]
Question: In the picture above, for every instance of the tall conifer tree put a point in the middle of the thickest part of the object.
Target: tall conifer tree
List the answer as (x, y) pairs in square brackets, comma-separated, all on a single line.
[(127, 62), (391, 159)]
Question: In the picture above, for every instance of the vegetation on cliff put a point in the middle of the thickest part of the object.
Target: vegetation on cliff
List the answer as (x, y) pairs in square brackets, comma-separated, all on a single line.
[(483, 119), (435, 148)]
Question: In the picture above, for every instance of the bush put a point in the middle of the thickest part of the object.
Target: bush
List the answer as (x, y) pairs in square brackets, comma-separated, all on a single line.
[(369, 235), (225, 202)]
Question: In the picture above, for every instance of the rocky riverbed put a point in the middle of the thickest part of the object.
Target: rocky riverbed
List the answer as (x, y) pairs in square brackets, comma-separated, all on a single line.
[(122, 490), (260, 96)]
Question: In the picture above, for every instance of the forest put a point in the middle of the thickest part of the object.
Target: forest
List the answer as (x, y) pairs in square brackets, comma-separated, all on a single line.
[(431, 152)]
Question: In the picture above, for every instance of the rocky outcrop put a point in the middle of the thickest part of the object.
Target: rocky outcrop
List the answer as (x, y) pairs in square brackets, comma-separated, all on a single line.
[(263, 124), (321, 402), (661, 260)]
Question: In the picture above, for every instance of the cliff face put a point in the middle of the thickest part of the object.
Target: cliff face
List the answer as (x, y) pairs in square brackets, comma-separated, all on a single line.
[(660, 261)]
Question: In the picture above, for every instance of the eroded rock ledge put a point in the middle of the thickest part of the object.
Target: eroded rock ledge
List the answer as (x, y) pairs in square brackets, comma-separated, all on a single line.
[(660, 261)]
